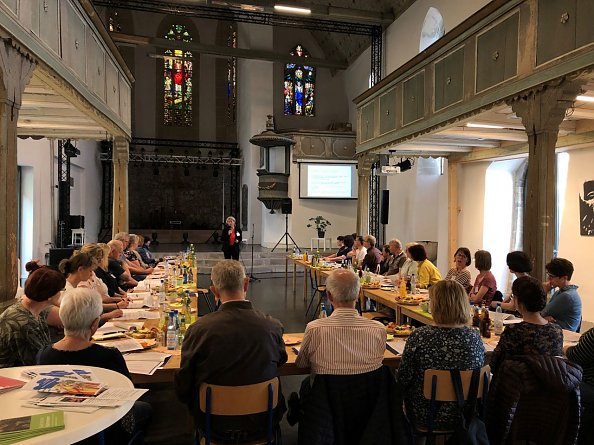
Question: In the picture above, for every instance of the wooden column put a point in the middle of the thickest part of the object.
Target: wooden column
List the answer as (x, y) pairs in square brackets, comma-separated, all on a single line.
[(364, 173), (542, 112), (121, 155), (16, 69), (452, 209)]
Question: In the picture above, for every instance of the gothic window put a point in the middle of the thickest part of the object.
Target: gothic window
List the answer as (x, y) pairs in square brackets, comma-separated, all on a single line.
[(300, 81), (177, 81)]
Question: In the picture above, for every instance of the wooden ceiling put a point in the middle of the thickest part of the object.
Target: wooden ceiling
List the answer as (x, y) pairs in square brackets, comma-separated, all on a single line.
[(499, 134), (46, 113)]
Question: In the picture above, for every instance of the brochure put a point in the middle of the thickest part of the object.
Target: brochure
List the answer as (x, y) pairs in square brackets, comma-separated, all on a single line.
[(61, 385), (8, 384), (22, 428)]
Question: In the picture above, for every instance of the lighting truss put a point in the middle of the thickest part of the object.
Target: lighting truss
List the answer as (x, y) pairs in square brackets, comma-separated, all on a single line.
[(177, 159)]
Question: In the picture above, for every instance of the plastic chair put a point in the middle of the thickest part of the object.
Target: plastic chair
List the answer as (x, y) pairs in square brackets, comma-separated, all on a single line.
[(216, 400), (438, 387), (316, 289)]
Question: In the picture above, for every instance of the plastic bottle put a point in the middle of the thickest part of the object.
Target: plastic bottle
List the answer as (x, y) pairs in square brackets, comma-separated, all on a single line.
[(322, 311), (413, 284), (172, 331), (498, 322), (476, 318), (402, 288), (181, 332)]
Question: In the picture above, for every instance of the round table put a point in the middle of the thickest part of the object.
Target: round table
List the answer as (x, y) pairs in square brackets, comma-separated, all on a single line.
[(78, 426)]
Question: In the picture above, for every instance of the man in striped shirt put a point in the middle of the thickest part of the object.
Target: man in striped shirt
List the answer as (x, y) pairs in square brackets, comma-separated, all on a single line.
[(344, 343)]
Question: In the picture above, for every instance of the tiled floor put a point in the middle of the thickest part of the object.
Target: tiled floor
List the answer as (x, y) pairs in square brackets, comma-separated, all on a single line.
[(171, 424)]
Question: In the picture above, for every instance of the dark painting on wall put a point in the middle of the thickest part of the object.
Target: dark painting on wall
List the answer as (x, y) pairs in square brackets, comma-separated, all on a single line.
[(587, 210)]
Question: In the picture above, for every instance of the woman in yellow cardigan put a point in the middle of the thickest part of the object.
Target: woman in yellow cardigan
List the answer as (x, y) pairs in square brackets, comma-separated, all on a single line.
[(428, 273)]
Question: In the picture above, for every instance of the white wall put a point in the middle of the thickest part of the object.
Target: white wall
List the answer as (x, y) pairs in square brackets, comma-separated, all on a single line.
[(576, 248), (401, 41), (41, 177), (418, 206)]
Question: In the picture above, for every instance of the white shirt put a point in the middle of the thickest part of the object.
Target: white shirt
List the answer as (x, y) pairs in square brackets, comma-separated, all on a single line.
[(343, 344)]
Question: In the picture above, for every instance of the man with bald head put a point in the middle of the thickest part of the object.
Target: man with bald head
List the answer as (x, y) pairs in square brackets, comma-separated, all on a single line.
[(343, 343)]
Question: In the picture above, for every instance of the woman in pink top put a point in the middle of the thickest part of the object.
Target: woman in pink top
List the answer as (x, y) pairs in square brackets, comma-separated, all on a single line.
[(485, 284)]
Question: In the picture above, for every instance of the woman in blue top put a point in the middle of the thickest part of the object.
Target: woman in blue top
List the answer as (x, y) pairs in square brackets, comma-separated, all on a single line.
[(450, 344), (565, 306)]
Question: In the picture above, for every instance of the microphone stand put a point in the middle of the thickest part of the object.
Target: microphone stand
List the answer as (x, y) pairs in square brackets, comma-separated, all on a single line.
[(251, 275)]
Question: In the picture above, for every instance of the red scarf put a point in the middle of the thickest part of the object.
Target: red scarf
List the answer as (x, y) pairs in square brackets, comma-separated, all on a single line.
[(232, 236)]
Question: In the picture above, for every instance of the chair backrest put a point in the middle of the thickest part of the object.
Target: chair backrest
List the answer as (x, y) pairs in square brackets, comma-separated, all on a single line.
[(444, 390), (238, 400)]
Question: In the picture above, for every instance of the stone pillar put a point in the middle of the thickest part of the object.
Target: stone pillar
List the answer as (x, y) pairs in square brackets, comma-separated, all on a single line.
[(542, 112), (364, 172), (121, 155), (16, 69)]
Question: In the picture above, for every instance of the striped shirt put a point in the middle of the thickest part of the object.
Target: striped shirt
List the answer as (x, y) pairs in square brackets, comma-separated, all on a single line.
[(343, 344), (583, 355)]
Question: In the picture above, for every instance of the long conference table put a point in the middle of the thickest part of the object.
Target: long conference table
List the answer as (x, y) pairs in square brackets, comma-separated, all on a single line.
[(384, 297)]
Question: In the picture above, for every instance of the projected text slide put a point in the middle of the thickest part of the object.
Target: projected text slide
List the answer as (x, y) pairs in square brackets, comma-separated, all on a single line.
[(329, 181)]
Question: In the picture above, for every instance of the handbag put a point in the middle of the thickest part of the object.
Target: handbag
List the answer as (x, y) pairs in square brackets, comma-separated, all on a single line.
[(471, 429)]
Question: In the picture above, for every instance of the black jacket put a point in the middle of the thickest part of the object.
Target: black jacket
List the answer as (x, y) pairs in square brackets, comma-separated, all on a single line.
[(225, 238)]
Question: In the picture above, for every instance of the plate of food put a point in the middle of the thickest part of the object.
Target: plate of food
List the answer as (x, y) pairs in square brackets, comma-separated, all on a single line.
[(399, 330), (144, 333), (370, 286), (148, 343), (411, 300)]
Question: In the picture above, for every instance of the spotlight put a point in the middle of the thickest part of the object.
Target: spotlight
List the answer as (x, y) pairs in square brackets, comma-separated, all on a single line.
[(70, 150), (404, 165)]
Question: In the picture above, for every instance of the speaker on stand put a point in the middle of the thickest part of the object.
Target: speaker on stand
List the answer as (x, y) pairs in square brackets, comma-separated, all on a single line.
[(384, 212), (286, 209)]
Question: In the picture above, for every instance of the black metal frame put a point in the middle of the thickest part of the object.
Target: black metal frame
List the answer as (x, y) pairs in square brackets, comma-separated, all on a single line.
[(64, 236), (106, 189), (374, 204), (261, 18)]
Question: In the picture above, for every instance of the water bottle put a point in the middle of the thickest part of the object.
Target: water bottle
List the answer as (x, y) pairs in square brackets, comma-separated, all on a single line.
[(413, 284), (322, 311), (172, 331), (185, 276), (498, 323)]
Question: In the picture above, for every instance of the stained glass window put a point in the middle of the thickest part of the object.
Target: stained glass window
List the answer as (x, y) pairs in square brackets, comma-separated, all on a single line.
[(177, 81), (300, 81)]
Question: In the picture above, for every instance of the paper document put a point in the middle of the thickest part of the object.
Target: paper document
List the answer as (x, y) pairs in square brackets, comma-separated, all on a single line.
[(129, 325), (396, 346), (135, 314), (126, 345), (145, 363), (109, 328)]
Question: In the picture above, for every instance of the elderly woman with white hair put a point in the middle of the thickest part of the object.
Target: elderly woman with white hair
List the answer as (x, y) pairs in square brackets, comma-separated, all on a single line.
[(80, 311)]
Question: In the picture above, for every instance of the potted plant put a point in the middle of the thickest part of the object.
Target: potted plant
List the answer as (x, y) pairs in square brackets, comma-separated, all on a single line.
[(320, 224)]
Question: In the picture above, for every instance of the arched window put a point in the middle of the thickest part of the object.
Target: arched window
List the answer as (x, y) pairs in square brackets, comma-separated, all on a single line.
[(300, 82), (177, 81), (433, 28)]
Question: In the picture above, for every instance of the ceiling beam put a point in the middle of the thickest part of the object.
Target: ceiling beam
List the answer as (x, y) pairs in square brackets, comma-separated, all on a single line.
[(223, 51), (63, 134), (471, 134)]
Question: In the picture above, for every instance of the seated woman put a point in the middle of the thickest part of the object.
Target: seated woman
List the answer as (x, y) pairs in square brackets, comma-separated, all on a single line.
[(136, 267), (100, 253), (387, 258), (485, 284), (78, 269), (357, 254), (410, 267), (80, 311), (343, 249), (534, 335), (519, 264), (428, 274), (460, 272), (144, 244), (23, 328), (425, 350)]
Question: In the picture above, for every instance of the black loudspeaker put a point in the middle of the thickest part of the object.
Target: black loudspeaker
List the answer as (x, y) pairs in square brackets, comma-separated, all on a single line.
[(385, 206), (287, 206), (58, 254), (77, 221)]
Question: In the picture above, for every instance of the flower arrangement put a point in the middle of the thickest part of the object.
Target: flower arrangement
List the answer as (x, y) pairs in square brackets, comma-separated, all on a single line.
[(320, 223)]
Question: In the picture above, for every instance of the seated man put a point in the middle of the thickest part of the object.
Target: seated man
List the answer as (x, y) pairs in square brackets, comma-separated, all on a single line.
[(565, 306), (357, 344), (236, 345), (398, 258), (373, 256)]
